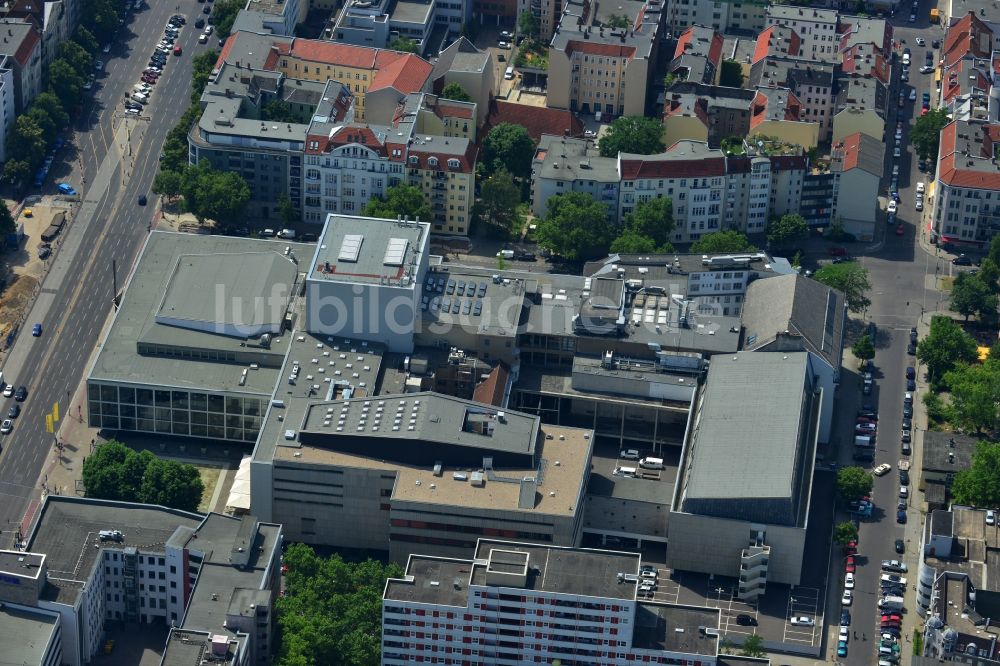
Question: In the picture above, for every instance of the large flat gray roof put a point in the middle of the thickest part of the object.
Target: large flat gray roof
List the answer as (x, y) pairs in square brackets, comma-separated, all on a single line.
[(676, 628), (746, 434), (189, 648), (136, 320), (432, 580), (25, 634), (369, 250), (67, 533)]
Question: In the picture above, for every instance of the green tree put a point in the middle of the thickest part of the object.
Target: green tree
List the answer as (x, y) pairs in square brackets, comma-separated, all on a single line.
[(402, 199), (17, 170), (970, 295), (632, 134), (510, 147), (169, 483), (498, 202), (989, 273), (102, 19), (27, 141), (49, 103), (404, 44), (76, 56), (7, 224), (167, 183), (731, 74), (116, 472), (994, 251), (653, 218), (201, 71), (286, 209), (926, 133), (222, 196), (527, 24), (224, 14), (618, 21), (65, 82), (979, 485), (456, 92), (944, 346), (575, 227), (853, 483), (86, 39), (44, 122), (633, 242), (844, 533), (786, 229), (753, 646), (863, 349), (722, 242), (331, 611), (849, 278), (975, 395), (280, 111)]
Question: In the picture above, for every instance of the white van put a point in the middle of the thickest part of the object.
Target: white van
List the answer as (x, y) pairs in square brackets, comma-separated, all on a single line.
[(626, 471), (651, 463), (508, 74), (627, 454), (286, 233), (141, 98)]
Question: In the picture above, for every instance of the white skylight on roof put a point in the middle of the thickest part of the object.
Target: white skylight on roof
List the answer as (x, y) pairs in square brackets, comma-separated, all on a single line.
[(396, 251), (351, 247)]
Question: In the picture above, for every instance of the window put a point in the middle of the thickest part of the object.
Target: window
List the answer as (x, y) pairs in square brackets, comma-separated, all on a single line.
[(432, 161)]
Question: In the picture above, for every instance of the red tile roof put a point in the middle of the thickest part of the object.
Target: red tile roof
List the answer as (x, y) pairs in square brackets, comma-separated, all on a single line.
[(850, 148), (467, 161), (23, 53), (537, 120), (968, 36), (953, 172), (226, 49), (347, 55), (685, 42), (766, 43), (449, 111), (632, 169), (594, 48), (491, 389), (404, 72)]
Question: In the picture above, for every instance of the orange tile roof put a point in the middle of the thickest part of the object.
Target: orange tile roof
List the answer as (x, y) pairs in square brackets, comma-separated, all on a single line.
[(538, 120), (593, 48), (954, 175), (404, 72), (687, 37), (850, 148), (333, 53), (449, 111), (491, 389), (968, 36)]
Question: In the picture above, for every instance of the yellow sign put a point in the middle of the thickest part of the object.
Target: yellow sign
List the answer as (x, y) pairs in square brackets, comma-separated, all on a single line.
[(48, 423), (55, 411)]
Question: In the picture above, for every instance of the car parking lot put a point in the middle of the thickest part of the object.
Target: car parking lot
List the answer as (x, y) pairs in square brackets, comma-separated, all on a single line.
[(734, 610), (803, 602)]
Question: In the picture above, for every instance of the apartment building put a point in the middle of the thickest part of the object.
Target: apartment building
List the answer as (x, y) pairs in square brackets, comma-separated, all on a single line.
[(92, 562), (967, 184), (697, 112), (711, 191), (811, 81), (720, 16), (462, 63), (514, 603), (861, 105), (8, 102), (601, 70), (857, 166), (54, 20), (22, 43), (376, 24), (698, 56), (817, 30), (966, 70), (276, 17)]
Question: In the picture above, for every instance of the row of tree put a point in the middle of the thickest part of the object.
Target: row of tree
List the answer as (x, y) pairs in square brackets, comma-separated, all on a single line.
[(35, 130), (224, 15), (116, 472)]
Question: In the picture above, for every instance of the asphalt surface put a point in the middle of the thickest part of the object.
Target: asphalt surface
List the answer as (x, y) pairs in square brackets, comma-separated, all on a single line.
[(902, 275), (111, 161)]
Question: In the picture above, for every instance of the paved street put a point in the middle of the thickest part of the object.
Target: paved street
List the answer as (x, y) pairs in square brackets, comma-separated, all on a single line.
[(115, 161)]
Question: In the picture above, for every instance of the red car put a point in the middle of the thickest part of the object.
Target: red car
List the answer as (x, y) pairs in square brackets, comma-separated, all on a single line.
[(867, 419), (851, 548), (178, 50), (899, 229), (151, 80), (892, 618), (849, 564)]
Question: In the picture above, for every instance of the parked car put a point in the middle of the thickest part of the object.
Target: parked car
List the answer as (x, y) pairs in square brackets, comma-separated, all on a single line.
[(7, 426), (66, 188), (991, 517), (900, 546), (961, 260), (802, 621), (894, 566), (881, 469)]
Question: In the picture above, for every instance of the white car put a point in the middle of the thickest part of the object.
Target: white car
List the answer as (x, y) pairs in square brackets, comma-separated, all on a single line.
[(991, 517), (919, 205), (8, 390), (881, 469), (802, 621), (590, 134), (892, 207), (98, 65), (904, 492), (920, 41), (895, 152), (847, 598), (503, 45), (913, 94), (209, 29), (926, 69), (132, 112), (203, 38), (106, 49), (7, 426), (894, 565), (845, 634), (849, 581)]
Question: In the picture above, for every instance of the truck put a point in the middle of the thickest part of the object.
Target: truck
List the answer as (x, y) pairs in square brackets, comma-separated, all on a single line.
[(891, 603), (53, 229), (864, 441)]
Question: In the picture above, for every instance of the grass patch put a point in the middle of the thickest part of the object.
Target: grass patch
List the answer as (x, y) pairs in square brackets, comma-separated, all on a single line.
[(209, 478), (947, 283), (918, 643)]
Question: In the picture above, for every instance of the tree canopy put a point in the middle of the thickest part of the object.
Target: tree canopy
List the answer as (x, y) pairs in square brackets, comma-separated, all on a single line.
[(214, 195), (851, 279), (27, 142), (979, 485), (926, 133), (527, 23), (201, 70), (510, 147), (575, 227), (653, 218), (632, 134), (51, 105), (278, 110), (116, 472), (853, 483), (844, 533), (224, 14), (731, 74), (456, 92), (945, 345), (7, 224), (401, 199), (101, 18), (974, 391), (331, 613), (404, 44), (66, 82), (632, 242), (498, 203), (719, 242), (617, 21), (864, 348), (971, 295), (786, 229)]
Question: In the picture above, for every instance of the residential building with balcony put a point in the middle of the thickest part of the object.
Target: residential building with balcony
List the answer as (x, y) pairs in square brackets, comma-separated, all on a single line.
[(719, 16), (22, 42), (698, 56), (54, 21), (601, 70), (967, 184), (817, 30), (811, 81), (515, 603)]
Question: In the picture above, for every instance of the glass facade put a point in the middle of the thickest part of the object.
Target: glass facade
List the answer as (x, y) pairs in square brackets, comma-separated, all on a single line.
[(175, 412)]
